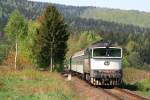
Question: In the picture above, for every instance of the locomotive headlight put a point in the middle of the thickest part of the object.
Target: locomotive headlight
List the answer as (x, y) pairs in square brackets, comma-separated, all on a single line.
[(106, 63)]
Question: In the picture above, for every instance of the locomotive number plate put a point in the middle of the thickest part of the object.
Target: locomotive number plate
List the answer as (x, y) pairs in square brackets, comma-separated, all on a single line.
[(107, 63)]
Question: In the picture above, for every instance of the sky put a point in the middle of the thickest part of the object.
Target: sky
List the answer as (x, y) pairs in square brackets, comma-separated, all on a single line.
[(141, 5)]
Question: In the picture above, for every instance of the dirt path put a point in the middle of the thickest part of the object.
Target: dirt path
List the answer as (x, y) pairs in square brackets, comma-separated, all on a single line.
[(90, 92)]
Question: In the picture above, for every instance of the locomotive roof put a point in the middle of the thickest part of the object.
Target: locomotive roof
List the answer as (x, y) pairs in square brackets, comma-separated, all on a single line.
[(97, 44), (103, 44)]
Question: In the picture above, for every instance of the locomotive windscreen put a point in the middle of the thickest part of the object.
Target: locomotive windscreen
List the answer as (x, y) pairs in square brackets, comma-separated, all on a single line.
[(106, 52)]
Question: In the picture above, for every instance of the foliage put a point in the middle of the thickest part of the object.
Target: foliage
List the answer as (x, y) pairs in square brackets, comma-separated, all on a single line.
[(81, 18), (135, 46), (4, 49), (51, 37), (23, 61), (134, 59), (136, 18), (132, 75), (16, 26), (131, 46), (29, 43), (125, 62), (83, 40), (33, 9), (16, 31), (78, 24), (144, 86), (138, 80), (127, 32)]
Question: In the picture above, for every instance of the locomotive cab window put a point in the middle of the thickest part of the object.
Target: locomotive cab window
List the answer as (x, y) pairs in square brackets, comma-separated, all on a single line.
[(106, 52)]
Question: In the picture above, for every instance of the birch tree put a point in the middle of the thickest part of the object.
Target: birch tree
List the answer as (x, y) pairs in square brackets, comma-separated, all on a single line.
[(15, 31)]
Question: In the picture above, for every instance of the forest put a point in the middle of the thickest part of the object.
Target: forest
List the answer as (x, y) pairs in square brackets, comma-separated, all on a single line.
[(84, 29)]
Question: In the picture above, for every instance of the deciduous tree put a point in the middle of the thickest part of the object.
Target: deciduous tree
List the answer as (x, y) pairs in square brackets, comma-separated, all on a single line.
[(16, 30)]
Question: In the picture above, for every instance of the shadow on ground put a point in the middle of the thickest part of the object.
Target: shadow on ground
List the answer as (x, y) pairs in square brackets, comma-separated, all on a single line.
[(131, 87)]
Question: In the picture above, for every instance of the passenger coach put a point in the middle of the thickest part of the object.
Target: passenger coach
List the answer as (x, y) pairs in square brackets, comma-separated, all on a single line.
[(100, 64)]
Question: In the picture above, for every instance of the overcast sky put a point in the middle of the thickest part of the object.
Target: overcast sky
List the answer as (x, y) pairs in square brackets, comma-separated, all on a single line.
[(142, 5)]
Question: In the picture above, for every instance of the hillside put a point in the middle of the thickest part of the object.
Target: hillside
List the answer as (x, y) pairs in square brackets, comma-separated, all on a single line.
[(33, 9), (119, 16)]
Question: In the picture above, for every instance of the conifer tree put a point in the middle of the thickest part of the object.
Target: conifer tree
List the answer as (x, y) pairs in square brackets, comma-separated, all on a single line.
[(50, 43)]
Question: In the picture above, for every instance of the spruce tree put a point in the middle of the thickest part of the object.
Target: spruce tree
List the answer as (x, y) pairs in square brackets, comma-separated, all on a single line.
[(50, 43)]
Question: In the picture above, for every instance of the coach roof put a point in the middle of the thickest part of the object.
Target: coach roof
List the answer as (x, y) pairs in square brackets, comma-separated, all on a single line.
[(80, 53)]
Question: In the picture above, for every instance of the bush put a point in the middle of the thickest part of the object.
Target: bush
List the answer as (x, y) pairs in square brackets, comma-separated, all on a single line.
[(135, 59), (125, 62), (139, 86), (59, 67), (22, 61), (143, 85)]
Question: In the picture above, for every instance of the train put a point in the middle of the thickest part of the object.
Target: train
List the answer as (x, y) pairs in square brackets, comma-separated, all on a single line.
[(99, 64)]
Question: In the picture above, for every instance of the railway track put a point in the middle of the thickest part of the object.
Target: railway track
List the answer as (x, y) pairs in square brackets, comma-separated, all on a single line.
[(110, 93), (125, 94)]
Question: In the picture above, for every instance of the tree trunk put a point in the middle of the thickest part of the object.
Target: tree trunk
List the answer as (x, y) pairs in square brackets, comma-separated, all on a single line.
[(51, 63), (16, 55)]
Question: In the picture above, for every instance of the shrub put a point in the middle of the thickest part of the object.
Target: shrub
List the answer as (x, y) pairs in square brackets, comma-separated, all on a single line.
[(22, 61), (139, 86), (125, 62), (135, 59), (143, 85)]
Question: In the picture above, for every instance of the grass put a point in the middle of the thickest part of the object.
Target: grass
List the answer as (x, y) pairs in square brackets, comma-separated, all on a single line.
[(138, 80), (34, 85), (132, 75)]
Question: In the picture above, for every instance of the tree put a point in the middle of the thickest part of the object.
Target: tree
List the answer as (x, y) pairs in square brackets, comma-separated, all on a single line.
[(86, 38), (81, 41), (50, 42), (131, 46), (135, 60), (32, 28), (16, 30)]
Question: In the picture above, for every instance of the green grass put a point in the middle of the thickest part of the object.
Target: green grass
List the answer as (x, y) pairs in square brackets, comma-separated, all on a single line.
[(35, 85)]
